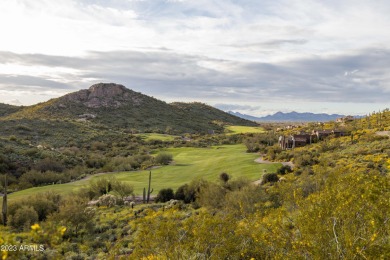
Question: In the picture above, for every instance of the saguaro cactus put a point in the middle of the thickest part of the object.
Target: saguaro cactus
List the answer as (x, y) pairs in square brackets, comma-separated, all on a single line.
[(146, 195), (5, 203), (149, 191)]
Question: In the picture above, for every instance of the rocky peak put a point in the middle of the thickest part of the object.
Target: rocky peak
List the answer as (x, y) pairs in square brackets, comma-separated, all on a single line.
[(103, 95), (107, 90)]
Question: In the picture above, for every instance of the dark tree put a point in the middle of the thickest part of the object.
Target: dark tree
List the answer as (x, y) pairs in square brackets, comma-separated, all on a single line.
[(165, 195), (224, 177)]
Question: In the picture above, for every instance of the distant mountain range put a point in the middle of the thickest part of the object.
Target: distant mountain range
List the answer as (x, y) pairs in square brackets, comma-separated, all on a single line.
[(290, 117)]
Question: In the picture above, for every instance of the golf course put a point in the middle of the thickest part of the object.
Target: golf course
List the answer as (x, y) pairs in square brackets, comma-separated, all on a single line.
[(188, 163)]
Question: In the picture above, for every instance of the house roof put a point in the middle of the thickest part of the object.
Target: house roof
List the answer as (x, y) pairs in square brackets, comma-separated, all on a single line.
[(324, 131)]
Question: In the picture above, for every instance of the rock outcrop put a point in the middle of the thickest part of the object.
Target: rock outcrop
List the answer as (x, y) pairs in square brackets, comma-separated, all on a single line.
[(103, 95)]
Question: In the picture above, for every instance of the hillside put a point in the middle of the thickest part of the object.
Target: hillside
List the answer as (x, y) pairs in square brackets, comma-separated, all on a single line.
[(333, 204), (8, 109), (117, 107)]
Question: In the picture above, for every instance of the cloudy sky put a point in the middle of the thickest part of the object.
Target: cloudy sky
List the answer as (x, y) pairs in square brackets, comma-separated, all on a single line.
[(252, 56)]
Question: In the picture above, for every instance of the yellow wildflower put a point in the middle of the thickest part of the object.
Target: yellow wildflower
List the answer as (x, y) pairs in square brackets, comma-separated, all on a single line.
[(35, 227), (5, 255), (62, 230)]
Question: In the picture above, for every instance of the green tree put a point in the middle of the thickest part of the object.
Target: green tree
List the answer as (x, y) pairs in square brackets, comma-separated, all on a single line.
[(74, 215)]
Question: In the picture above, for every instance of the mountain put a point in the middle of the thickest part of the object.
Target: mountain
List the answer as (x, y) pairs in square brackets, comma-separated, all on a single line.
[(303, 117), (116, 107), (291, 117), (244, 116)]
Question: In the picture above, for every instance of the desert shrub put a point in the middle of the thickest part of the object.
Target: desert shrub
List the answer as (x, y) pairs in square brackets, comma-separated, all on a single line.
[(237, 184), (284, 169), (31, 152), (107, 200), (23, 218), (120, 164), (190, 192), (122, 189), (212, 196), (273, 151), (97, 161), (98, 146), (74, 214), (100, 186), (224, 177), (251, 145), (49, 164), (43, 204), (183, 193), (269, 177), (43, 207), (244, 201), (305, 158), (36, 178), (163, 158), (165, 195)]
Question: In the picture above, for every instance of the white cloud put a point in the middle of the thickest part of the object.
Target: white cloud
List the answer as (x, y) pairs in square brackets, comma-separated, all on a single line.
[(15, 102), (231, 50)]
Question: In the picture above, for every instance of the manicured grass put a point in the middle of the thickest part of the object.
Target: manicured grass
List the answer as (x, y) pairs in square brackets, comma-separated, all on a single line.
[(189, 163), (236, 129), (66, 188), (154, 136)]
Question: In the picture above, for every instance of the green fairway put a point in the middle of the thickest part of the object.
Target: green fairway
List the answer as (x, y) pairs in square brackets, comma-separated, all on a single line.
[(58, 188), (236, 129), (154, 136), (189, 163)]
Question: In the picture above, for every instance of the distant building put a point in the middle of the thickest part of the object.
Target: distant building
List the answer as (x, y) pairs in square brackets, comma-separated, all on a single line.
[(303, 139), (338, 133), (293, 141), (321, 134), (344, 119)]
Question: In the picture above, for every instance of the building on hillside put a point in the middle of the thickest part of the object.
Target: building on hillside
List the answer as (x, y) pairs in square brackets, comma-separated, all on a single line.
[(338, 133), (293, 141), (321, 134), (285, 142), (302, 139)]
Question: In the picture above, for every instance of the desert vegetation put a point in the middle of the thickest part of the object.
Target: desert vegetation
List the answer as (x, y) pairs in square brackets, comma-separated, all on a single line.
[(200, 199)]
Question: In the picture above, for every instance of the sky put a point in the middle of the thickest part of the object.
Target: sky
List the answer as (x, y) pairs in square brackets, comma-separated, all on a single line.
[(251, 56)]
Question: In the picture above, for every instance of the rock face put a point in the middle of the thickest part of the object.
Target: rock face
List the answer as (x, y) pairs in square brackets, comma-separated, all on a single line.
[(104, 95)]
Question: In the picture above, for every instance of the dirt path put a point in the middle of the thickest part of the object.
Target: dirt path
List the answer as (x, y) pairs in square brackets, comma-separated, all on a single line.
[(261, 160)]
